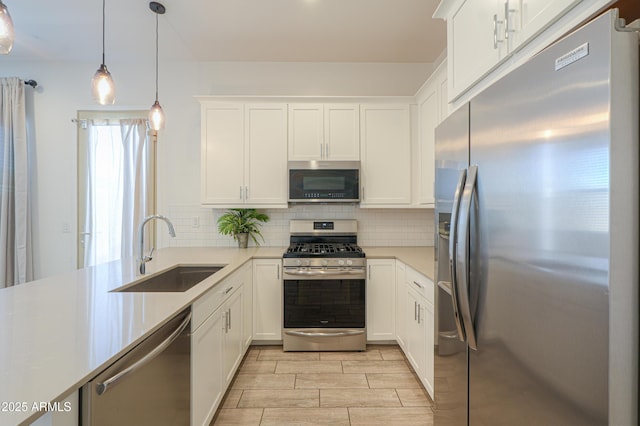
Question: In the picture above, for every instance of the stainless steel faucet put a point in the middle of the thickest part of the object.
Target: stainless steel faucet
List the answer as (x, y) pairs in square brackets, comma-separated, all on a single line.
[(142, 259)]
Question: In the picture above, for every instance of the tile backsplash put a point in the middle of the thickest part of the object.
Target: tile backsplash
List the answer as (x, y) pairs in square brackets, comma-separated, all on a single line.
[(196, 226)]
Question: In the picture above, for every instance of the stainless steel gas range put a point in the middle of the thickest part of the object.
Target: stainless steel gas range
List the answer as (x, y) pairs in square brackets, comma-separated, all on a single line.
[(324, 287)]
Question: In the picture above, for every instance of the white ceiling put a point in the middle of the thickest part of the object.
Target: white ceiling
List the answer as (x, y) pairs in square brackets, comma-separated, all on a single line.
[(229, 30)]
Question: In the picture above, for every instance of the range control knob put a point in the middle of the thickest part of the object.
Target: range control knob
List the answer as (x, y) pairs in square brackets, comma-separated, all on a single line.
[(341, 262), (324, 263), (349, 262), (306, 263), (298, 262)]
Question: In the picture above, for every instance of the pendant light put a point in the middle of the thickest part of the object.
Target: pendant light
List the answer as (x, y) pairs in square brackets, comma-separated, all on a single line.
[(156, 114), (102, 86), (7, 33)]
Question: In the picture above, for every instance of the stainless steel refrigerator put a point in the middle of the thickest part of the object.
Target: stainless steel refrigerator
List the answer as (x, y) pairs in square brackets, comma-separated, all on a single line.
[(537, 249)]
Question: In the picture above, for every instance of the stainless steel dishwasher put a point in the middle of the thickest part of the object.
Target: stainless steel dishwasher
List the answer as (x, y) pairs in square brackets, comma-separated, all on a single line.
[(150, 385)]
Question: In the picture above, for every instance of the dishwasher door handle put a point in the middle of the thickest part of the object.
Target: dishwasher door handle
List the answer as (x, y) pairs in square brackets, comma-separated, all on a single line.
[(101, 388)]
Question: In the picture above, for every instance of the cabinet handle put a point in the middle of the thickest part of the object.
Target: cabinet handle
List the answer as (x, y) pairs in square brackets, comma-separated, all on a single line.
[(363, 193), (326, 149), (246, 192), (415, 310), (321, 151), (419, 309), (277, 272), (495, 31), (507, 11), (228, 290), (229, 316), (418, 284), (369, 271), (226, 322)]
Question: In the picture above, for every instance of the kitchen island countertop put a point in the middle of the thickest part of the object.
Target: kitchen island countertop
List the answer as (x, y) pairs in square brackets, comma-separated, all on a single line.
[(58, 332)]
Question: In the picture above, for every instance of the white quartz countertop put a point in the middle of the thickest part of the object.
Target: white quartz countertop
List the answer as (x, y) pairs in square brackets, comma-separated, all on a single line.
[(59, 332), (419, 258)]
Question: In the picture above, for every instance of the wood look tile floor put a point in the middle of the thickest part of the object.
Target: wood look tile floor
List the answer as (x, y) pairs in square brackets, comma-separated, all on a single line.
[(376, 387)]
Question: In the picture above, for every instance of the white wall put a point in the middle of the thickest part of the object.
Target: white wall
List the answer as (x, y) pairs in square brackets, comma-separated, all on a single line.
[(64, 88)]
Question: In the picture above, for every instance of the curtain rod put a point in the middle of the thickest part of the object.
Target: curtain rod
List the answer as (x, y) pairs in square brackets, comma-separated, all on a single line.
[(31, 83)]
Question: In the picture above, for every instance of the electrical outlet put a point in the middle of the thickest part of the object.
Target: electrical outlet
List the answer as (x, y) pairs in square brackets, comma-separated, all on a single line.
[(195, 222)]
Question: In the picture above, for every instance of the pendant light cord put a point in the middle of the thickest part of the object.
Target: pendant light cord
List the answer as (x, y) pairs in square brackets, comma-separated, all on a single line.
[(156, 56), (103, 24)]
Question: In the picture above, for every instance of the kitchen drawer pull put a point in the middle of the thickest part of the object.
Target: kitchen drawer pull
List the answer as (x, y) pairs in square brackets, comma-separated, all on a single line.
[(324, 334), (228, 290), (101, 388), (418, 284)]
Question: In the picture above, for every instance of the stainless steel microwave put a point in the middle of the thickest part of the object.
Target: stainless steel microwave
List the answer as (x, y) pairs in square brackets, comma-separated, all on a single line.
[(324, 181)]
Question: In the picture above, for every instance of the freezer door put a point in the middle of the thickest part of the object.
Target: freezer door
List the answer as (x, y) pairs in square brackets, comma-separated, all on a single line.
[(450, 351), (541, 236)]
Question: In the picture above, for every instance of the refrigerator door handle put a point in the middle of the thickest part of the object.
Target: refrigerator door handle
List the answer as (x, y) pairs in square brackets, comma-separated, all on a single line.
[(453, 254), (462, 255)]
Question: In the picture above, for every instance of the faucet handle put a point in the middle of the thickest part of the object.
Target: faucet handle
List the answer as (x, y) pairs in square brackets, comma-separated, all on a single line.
[(150, 256)]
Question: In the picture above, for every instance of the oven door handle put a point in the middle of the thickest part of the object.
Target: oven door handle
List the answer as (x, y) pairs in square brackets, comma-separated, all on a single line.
[(324, 334), (323, 272)]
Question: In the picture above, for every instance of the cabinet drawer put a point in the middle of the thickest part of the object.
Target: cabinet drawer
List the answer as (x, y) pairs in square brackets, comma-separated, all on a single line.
[(211, 300), (420, 283)]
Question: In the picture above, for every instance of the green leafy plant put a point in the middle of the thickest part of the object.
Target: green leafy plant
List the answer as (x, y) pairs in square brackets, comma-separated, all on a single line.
[(240, 221)]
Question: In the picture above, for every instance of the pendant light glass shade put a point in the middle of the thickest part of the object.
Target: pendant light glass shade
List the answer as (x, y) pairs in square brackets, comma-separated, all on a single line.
[(7, 33), (156, 116), (103, 87)]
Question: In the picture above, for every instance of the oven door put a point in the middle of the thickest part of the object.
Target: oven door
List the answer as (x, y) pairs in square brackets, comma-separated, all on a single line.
[(324, 313)]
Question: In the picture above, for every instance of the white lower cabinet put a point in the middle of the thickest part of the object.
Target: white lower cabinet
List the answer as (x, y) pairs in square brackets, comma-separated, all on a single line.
[(415, 331), (401, 301), (232, 348), (380, 294), (246, 277), (217, 343), (207, 383), (267, 299)]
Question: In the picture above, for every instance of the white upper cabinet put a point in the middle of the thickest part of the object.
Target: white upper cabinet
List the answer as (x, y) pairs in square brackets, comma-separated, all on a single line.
[(222, 154), (324, 132), (475, 42), (482, 34), (385, 155), (244, 155), (432, 109), (266, 155), (529, 17)]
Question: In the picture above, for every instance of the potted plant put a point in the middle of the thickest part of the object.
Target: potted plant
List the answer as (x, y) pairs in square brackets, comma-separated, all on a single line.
[(242, 224)]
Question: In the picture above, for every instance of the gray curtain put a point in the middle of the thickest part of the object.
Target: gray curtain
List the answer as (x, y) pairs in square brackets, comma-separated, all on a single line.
[(16, 264)]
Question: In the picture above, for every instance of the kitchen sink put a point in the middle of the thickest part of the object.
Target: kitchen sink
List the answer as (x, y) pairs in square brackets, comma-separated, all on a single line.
[(178, 279)]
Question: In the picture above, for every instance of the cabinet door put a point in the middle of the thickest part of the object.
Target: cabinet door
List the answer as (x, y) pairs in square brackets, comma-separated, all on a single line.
[(475, 35), (380, 294), (401, 303), (245, 276), (429, 118), (342, 132), (306, 132), (385, 154), (222, 154), (416, 349), (267, 299), (530, 17), (429, 325), (232, 350), (266, 155), (207, 382)]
